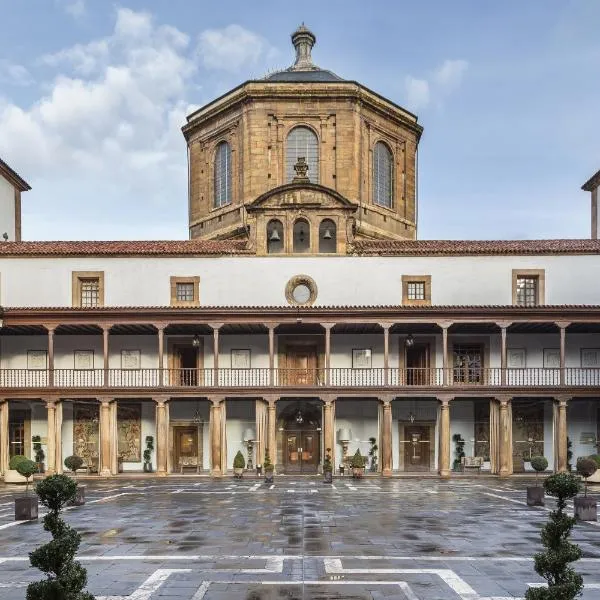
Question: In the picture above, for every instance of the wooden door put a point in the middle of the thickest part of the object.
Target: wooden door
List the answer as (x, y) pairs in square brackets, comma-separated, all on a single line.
[(301, 365), (417, 448), (301, 451), (417, 365), (185, 365), (186, 446), (468, 363)]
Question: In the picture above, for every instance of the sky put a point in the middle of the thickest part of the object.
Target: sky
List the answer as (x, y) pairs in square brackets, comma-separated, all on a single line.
[(93, 95)]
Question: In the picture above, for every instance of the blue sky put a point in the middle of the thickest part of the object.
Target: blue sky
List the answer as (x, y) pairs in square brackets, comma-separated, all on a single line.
[(93, 93)]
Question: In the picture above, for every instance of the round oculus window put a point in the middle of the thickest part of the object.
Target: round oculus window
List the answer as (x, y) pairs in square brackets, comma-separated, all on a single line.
[(301, 293), (301, 290)]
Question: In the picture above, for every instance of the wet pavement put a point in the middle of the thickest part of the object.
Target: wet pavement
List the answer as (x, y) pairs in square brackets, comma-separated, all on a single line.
[(299, 539)]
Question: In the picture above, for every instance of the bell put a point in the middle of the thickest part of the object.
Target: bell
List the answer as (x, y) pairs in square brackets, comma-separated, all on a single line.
[(275, 236), (327, 235)]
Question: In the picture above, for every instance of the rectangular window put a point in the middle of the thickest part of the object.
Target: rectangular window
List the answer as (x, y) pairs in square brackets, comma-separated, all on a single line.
[(88, 289), (528, 287), (416, 290), (185, 291)]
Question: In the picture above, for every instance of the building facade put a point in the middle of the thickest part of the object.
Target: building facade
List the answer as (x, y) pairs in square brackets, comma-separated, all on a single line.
[(302, 315)]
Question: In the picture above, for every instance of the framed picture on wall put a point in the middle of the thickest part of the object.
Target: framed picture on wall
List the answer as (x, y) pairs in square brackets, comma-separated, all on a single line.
[(361, 358), (551, 358), (37, 359), (83, 359), (590, 357), (131, 359), (516, 358), (240, 358)]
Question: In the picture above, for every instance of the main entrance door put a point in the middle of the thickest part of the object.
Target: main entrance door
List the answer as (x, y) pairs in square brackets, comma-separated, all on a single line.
[(417, 448), (185, 452), (301, 451)]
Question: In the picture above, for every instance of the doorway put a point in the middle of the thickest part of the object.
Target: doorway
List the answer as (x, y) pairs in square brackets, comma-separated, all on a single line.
[(185, 450), (417, 448), (417, 365), (301, 451), (185, 365), (301, 363), (299, 437)]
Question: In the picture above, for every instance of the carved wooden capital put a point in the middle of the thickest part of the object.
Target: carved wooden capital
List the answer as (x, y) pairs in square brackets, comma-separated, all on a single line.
[(216, 400), (386, 326), (160, 327), (444, 324), (504, 324), (271, 326), (445, 401), (51, 404), (50, 328), (562, 324), (504, 401), (327, 326), (562, 401)]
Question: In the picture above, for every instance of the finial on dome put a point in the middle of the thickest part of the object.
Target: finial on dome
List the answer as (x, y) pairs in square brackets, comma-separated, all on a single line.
[(303, 40)]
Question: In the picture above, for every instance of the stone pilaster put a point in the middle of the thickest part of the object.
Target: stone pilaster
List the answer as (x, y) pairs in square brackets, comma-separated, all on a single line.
[(386, 439), (505, 437), (444, 456), (561, 440), (162, 436), (215, 437), (105, 438), (51, 448)]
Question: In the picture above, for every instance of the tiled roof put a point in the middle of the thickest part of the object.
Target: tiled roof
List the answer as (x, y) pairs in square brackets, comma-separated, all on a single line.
[(13, 177), (316, 75), (474, 247), (592, 183), (126, 248)]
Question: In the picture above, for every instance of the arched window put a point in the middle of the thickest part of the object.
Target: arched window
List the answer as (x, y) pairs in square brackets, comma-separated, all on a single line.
[(222, 174), (383, 175), (301, 236), (301, 141), (274, 236), (327, 236)]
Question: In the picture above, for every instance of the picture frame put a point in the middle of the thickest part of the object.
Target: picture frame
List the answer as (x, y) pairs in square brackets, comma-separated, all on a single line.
[(131, 359), (590, 357), (361, 358), (83, 360), (551, 358), (37, 360), (241, 358), (516, 358)]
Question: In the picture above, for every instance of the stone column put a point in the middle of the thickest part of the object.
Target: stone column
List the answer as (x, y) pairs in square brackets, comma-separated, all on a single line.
[(272, 430), (386, 439), (162, 436), (505, 438), (3, 435), (561, 450), (444, 446), (51, 448), (328, 441), (215, 437), (105, 438)]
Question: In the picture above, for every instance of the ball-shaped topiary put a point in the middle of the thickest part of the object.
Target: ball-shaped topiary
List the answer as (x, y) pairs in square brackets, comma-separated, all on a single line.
[(15, 460), (26, 468), (73, 463), (596, 458), (539, 464), (586, 467)]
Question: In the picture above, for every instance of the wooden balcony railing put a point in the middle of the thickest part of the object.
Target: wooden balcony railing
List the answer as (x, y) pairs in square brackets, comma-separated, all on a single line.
[(263, 377)]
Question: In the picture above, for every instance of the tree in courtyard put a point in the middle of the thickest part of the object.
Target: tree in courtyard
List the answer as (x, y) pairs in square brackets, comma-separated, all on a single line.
[(66, 578), (553, 564)]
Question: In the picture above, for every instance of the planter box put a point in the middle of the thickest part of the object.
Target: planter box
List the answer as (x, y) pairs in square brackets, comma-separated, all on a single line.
[(237, 473), (327, 477), (358, 473), (535, 495), (147, 467), (26, 508), (595, 478), (269, 476), (79, 499), (12, 476), (586, 508)]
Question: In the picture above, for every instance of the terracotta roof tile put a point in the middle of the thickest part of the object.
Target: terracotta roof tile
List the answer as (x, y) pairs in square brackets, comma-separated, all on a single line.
[(474, 247), (126, 248)]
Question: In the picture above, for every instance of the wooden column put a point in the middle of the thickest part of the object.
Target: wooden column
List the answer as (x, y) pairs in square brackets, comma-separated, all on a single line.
[(386, 439), (386, 352), (328, 433), (161, 355), (105, 438), (505, 438), (105, 352), (271, 327), (215, 436), (50, 355), (444, 445), (503, 351), (561, 450), (444, 325), (3, 435), (563, 335), (162, 436), (327, 327), (51, 436), (216, 327), (272, 430)]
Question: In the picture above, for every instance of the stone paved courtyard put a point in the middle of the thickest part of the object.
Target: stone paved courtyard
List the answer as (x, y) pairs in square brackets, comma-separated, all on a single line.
[(193, 539)]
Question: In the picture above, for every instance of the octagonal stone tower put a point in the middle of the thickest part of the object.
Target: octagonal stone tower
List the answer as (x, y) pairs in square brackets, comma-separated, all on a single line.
[(360, 149)]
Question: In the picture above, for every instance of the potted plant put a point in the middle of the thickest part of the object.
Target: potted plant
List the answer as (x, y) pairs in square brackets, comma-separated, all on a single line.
[(373, 454), (535, 493), (553, 564), (459, 451), (39, 453), (73, 463), (268, 467), (595, 478), (327, 467), (11, 475), (358, 465), (64, 578), (148, 454), (26, 507), (239, 464), (586, 508)]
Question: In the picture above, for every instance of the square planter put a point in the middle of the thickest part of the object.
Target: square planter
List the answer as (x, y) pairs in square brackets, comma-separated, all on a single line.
[(358, 473), (26, 508), (327, 477), (269, 476), (535, 495), (586, 509), (79, 499)]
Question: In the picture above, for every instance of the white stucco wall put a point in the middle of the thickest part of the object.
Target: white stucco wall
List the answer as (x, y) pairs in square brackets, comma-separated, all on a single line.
[(7, 209), (361, 417)]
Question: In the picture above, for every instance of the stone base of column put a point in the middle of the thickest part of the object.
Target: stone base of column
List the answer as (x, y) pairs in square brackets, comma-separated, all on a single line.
[(161, 473), (105, 473), (216, 473), (386, 473), (48, 472), (445, 473), (504, 473)]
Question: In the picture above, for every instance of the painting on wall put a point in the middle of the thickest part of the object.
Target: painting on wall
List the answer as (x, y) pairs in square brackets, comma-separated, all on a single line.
[(590, 357), (37, 359), (83, 359), (86, 434), (129, 432), (240, 358), (131, 359), (551, 358), (361, 358), (516, 358)]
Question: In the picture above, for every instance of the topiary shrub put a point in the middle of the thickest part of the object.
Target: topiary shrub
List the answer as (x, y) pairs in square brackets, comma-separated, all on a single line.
[(267, 464), (358, 460), (538, 464), (15, 460), (37, 448), (586, 467), (73, 463), (65, 577), (239, 462), (596, 458), (327, 464), (459, 450), (553, 564), (26, 468)]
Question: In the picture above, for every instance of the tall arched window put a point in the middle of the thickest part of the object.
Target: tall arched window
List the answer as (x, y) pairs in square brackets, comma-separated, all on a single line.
[(274, 236), (302, 141), (383, 175), (301, 236), (327, 236), (222, 174)]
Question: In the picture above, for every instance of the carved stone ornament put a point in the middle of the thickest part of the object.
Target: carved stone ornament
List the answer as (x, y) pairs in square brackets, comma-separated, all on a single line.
[(301, 290), (301, 168)]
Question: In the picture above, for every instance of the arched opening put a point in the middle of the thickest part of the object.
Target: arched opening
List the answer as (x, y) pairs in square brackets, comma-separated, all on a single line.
[(301, 236), (383, 175), (302, 142), (274, 236), (327, 236), (222, 181)]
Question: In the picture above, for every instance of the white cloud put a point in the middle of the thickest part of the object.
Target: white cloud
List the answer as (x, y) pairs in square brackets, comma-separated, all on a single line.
[(14, 74), (440, 83), (232, 48), (75, 8)]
